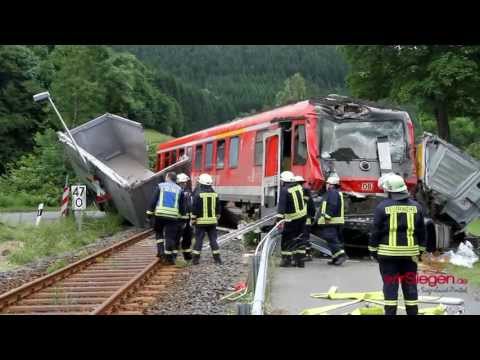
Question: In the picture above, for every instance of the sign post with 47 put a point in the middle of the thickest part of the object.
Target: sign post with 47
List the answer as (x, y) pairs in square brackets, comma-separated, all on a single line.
[(79, 203), (79, 197)]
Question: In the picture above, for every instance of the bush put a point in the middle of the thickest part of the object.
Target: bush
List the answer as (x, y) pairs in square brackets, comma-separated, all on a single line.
[(37, 177)]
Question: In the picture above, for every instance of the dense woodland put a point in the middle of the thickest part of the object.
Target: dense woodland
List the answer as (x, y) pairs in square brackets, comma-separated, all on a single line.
[(177, 89)]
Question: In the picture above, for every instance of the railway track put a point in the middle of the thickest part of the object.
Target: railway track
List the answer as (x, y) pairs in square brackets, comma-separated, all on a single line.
[(121, 279)]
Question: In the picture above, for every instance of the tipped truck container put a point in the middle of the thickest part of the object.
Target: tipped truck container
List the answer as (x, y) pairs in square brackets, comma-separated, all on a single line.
[(116, 153)]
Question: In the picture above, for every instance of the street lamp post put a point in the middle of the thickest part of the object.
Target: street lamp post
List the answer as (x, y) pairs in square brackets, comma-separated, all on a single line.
[(41, 97)]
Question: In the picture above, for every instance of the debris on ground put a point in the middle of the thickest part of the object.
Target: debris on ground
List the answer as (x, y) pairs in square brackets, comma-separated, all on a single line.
[(375, 303), (464, 256)]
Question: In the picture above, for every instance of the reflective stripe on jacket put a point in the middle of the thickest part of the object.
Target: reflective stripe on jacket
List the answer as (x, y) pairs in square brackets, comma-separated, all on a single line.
[(292, 205), (332, 208), (399, 229), (206, 206)]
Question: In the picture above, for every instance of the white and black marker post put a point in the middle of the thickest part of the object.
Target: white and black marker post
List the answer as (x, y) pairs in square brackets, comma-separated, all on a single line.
[(39, 214), (79, 203)]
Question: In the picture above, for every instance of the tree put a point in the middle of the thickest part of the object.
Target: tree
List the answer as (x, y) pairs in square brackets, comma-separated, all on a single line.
[(20, 117), (443, 80), (294, 89)]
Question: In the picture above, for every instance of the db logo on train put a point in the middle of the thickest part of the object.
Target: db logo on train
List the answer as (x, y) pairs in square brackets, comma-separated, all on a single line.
[(367, 186)]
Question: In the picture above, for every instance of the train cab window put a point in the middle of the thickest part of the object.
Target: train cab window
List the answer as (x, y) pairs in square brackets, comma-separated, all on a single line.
[(198, 157), (259, 147), (300, 156), (220, 154), (209, 156), (181, 152), (234, 151)]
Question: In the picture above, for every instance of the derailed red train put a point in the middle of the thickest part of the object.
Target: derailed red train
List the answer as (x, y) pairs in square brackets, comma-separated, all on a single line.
[(312, 138)]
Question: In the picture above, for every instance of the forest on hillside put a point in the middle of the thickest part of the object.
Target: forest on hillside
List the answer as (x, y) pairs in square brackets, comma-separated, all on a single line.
[(172, 89)]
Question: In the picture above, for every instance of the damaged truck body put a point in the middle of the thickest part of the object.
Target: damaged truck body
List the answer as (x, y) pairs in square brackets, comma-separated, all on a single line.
[(357, 140)]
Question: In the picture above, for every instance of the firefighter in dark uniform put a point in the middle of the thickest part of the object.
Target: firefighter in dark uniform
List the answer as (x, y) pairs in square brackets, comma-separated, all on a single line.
[(184, 236), (292, 207), (307, 196), (398, 238), (331, 220), (205, 215), (168, 205)]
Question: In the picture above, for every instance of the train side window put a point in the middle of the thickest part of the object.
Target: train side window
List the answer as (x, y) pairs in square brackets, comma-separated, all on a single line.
[(167, 159), (300, 156), (209, 156), (181, 152), (198, 157), (259, 147), (234, 151), (174, 156), (189, 151), (220, 154)]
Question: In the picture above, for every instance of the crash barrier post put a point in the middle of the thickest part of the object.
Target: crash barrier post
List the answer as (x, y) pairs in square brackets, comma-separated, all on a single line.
[(264, 249), (39, 214)]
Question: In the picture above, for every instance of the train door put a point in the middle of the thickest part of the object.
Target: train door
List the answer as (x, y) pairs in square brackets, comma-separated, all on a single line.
[(271, 168)]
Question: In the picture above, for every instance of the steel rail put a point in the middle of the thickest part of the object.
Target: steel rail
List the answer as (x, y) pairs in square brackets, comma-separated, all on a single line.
[(17, 294)]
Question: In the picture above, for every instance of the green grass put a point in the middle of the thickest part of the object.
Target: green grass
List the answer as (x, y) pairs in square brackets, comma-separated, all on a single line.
[(472, 275), (153, 138), (56, 237), (474, 227)]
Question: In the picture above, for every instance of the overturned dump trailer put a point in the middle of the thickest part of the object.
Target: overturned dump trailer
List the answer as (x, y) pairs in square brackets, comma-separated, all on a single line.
[(449, 181), (115, 153)]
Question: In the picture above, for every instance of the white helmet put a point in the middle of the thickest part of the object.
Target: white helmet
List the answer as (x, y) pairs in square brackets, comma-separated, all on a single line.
[(299, 178), (182, 178), (205, 179), (333, 180), (287, 176), (394, 183)]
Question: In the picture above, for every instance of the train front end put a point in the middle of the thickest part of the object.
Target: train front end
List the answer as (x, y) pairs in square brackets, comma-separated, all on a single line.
[(360, 142)]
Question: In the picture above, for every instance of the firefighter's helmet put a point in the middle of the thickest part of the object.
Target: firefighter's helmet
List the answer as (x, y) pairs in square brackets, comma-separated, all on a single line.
[(205, 179), (299, 178), (394, 183), (333, 180), (287, 176), (182, 178)]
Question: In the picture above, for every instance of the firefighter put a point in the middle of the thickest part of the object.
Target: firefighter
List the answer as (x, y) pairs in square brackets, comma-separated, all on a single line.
[(205, 215), (331, 220), (293, 209), (307, 196), (168, 205), (397, 239), (184, 236)]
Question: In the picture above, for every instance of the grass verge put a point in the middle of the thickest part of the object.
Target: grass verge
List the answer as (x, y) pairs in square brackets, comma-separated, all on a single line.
[(56, 237), (472, 275), (474, 227)]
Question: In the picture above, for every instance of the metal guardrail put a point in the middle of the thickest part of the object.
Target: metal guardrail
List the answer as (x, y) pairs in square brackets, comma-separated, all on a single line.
[(266, 245), (232, 233)]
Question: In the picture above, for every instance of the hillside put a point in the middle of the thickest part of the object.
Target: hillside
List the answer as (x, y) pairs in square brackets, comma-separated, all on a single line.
[(237, 79)]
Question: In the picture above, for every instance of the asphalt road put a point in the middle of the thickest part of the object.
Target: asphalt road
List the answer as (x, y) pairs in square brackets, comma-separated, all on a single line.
[(15, 218), (291, 287)]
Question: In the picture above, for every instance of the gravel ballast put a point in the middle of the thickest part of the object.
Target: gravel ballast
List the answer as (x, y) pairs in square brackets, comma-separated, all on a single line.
[(198, 289), (14, 278)]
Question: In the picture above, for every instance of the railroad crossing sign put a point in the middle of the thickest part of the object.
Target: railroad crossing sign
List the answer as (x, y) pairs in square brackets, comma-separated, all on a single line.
[(79, 197)]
